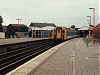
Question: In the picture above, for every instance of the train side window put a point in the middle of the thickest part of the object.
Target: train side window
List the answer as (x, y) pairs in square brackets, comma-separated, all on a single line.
[(63, 32), (54, 31), (58, 31)]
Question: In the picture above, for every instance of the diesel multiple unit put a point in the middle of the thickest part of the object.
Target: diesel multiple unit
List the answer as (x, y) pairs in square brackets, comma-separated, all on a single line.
[(63, 34)]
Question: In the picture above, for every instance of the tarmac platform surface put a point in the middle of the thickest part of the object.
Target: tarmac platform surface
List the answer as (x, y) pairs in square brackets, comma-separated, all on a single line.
[(72, 57), (16, 40)]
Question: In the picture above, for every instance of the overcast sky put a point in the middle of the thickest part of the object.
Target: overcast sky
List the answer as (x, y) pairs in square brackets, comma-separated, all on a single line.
[(61, 12)]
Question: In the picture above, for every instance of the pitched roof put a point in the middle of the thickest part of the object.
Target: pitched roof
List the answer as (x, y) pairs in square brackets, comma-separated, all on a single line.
[(97, 27), (42, 24), (20, 25)]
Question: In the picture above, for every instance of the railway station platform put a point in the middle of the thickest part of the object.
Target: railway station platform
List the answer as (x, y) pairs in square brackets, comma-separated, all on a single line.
[(72, 57), (16, 40)]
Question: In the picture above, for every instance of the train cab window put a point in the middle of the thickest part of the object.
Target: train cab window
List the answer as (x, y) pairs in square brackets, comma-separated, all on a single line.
[(54, 31), (63, 32), (58, 31)]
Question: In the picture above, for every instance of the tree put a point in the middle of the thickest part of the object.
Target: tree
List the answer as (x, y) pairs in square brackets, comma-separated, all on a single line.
[(1, 21), (73, 26)]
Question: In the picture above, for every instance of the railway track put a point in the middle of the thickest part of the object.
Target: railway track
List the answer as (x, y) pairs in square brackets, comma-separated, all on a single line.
[(14, 58)]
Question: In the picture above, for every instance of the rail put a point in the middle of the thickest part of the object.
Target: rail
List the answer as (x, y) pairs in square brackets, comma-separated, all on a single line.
[(17, 56)]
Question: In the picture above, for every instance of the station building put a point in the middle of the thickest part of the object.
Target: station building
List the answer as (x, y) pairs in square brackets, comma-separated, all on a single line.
[(42, 30), (84, 31), (97, 31), (12, 30)]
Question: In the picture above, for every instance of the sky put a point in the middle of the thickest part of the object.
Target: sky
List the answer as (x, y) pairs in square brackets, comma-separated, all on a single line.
[(60, 12)]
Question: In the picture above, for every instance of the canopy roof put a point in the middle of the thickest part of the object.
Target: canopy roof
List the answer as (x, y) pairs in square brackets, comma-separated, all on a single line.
[(84, 28), (43, 28), (42, 24)]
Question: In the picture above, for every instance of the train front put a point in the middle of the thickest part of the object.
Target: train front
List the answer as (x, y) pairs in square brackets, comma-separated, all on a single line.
[(59, 33)]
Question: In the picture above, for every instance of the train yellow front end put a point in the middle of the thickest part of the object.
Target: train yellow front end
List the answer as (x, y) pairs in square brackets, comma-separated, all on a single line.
[(59, 33)]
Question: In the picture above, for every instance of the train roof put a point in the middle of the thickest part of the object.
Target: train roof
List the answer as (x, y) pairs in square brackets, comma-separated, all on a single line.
[(68, 29)]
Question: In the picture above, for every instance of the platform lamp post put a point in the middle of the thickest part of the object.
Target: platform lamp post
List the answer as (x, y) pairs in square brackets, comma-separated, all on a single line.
[(89, 26), (18, 27), (93, 24)]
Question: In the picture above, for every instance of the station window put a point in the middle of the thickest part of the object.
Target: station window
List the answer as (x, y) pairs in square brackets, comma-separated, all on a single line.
[(39, 31)]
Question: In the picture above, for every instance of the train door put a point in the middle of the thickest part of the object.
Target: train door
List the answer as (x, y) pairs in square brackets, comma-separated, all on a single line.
[(63, 34), (59, 34)]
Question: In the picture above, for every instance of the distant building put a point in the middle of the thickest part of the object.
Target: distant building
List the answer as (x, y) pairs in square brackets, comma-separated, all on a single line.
[(84, 31), (5, 30), (1, 29), (40, 30), (77, 28), (12, 30)]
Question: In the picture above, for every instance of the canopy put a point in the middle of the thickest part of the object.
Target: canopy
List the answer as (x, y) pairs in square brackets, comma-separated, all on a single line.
[(84, 28), (43, 28)]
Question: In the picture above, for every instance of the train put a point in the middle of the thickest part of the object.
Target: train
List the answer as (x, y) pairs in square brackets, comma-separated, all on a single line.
[(61, 33)]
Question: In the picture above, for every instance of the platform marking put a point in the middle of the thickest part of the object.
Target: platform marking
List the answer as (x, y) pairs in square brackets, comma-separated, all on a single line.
[(86, 57), (74, 58), (77, 42), (72, 64)]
